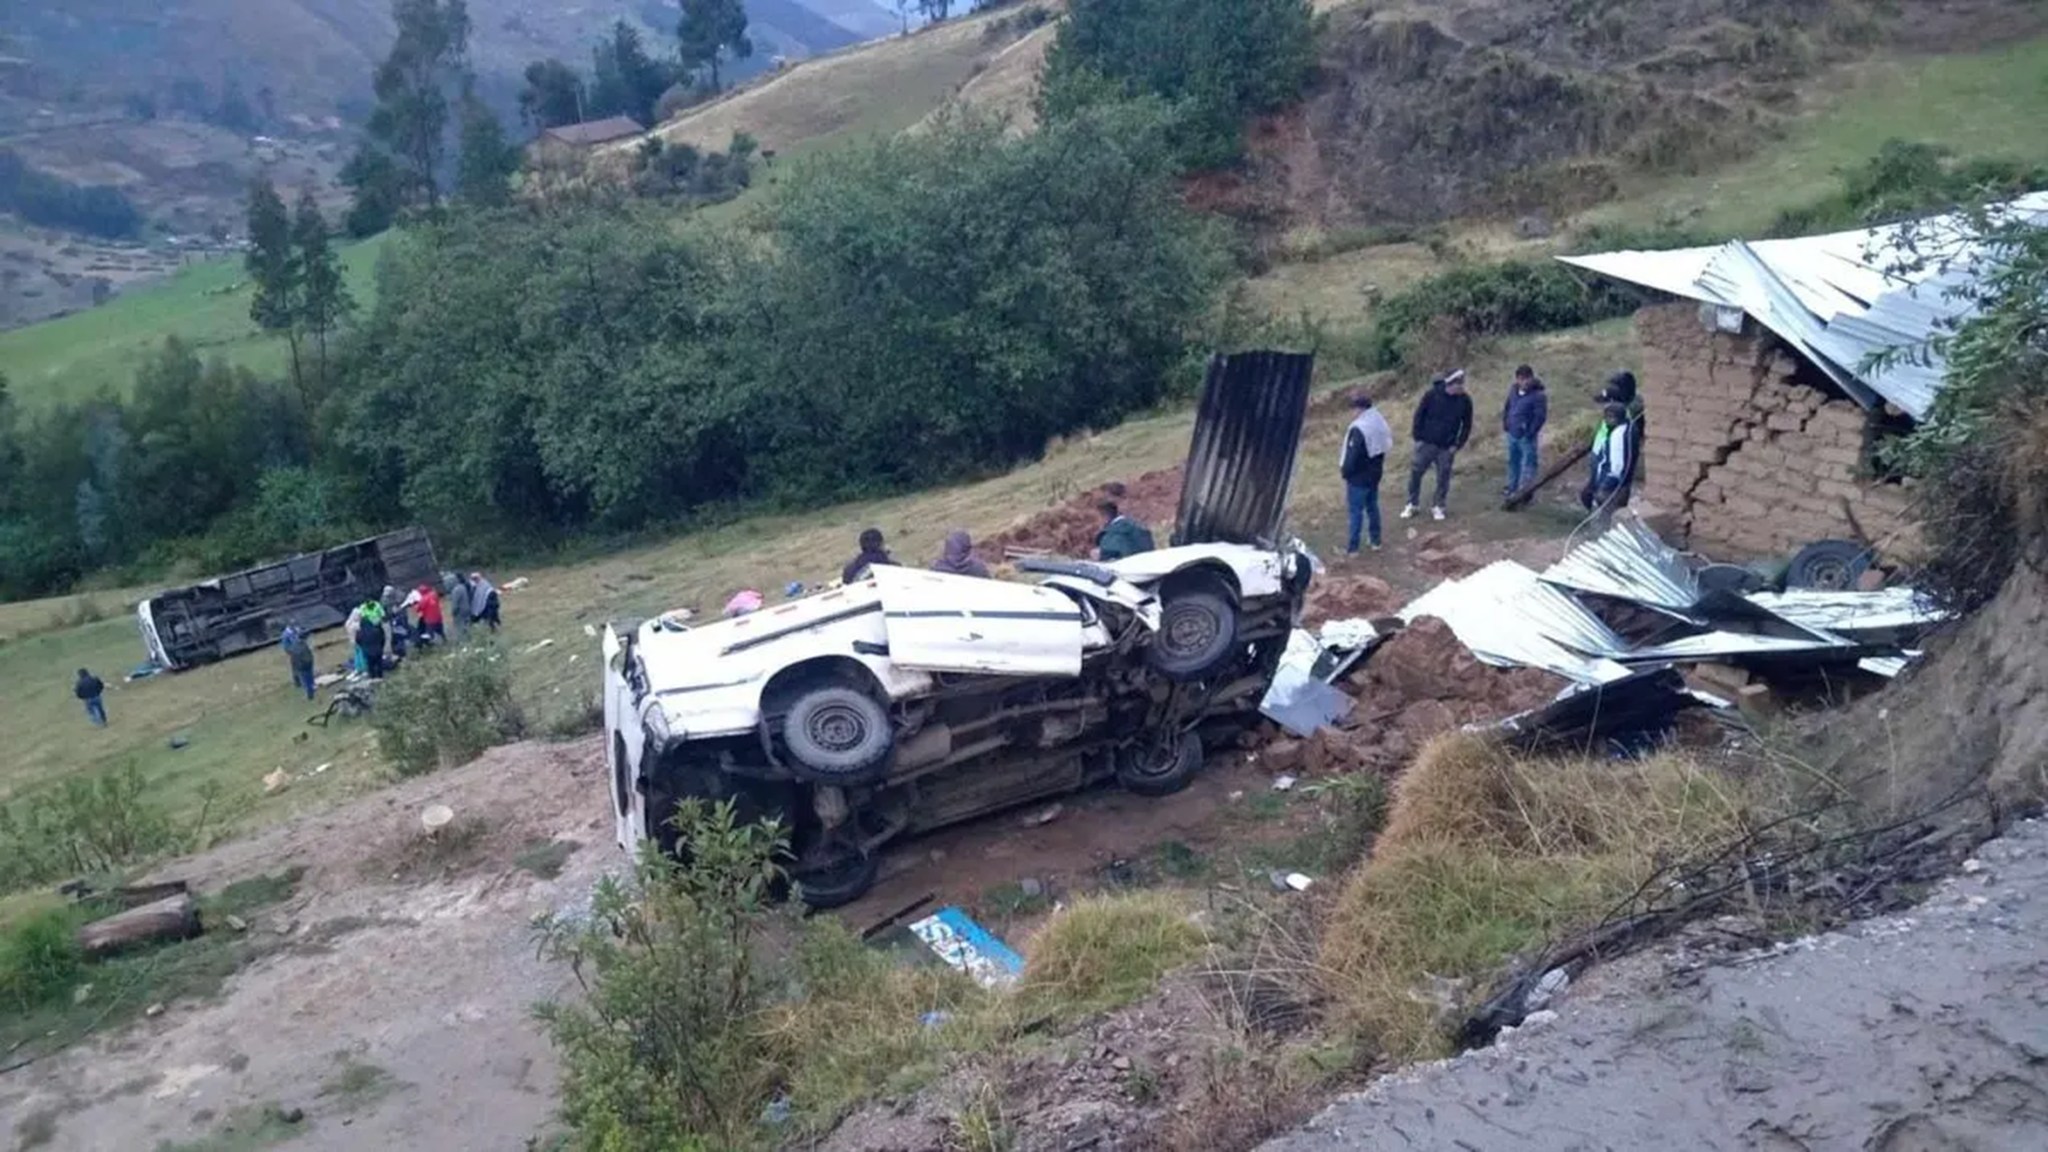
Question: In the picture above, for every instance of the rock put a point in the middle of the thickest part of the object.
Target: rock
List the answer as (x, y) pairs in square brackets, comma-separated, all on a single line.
[(1121, 1063), (1031, 886), (1547, 990), (1282, 756), (291, 1114), (236, 923), (1535, 226), (1539, 1019), (276, 781), (1973, 866), (1871, 580)]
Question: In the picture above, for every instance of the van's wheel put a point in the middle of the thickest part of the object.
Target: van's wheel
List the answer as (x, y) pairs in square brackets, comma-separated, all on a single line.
[(837, 735), (1149, 769), (1197, 635), (839, 879)]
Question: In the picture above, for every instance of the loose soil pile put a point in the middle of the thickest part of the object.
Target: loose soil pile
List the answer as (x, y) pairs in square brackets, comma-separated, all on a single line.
[(1070, 528), (1416, 685)]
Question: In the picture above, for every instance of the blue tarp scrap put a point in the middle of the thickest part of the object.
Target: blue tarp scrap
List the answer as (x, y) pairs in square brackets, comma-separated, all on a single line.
[(954, 937)]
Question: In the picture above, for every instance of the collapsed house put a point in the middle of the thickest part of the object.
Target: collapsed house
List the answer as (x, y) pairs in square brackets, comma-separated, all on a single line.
[(1773, 387)]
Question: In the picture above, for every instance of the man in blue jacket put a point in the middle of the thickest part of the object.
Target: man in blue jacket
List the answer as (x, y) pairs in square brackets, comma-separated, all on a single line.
[(1522, 419)]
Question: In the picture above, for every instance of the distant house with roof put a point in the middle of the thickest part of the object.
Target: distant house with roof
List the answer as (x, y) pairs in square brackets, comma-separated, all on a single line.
[(1772, 385), (580, 139)]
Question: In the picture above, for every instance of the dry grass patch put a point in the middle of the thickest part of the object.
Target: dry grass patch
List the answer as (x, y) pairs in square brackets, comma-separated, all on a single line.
[(1104, 951), (1487, 855)]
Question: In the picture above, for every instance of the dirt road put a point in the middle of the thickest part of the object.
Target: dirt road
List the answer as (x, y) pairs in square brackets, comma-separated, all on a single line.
[(1920, 1033)]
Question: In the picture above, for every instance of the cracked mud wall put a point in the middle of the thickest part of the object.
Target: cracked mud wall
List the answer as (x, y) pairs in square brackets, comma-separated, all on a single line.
[(1750, 450)]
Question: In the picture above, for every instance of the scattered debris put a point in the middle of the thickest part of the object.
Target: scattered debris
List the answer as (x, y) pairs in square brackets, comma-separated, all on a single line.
[(1283, 784), (275, 781), (537, 645), (515, 585), (1042, 817), (954, 937), (590, 630), (180, 741)]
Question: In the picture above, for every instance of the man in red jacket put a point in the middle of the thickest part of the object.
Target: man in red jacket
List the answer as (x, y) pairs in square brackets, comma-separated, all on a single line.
[(431, 626)]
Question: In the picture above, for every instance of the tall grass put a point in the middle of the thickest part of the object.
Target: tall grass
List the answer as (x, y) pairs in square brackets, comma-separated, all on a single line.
[(1486, 855)]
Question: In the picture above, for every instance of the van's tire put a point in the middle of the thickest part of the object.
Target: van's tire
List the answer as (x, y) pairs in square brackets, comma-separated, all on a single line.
[(1197, 635), (1149, 769), (839, 883), (837, 735), (1829, 566)]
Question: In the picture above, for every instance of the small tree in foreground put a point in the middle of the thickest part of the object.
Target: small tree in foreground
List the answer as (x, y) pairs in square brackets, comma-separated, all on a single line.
[(668, 1050)]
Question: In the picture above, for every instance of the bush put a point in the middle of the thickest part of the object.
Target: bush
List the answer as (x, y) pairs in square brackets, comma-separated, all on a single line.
[(1218, 62), (692, 1023), (84, 826), (445, 709), (40, 198), (1483, 300), (1907, 179), (40, 960)]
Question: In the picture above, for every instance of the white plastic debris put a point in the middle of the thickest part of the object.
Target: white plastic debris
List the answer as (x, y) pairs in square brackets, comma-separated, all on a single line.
[(1298, 881), (1283, 783)]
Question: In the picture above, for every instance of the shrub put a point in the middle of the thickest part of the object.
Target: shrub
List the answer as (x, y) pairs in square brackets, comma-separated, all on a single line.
[(84, 826), (1906, 179), (446, 709), (1101, 951), (40, 960), (1484, 300)]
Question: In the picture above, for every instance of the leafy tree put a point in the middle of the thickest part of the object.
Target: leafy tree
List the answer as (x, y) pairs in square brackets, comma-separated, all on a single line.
[(553, 95), (324, 301), (484, 168), (274, 270), (710, 30), (1218, 61), (626, 80), (377, 190), (935, 9), (410, 122)]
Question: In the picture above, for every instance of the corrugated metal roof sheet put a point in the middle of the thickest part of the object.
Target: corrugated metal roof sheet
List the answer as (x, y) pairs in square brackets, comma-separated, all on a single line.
[(1877, 611), (1508, 617), (1629, 562), (1840, 299)]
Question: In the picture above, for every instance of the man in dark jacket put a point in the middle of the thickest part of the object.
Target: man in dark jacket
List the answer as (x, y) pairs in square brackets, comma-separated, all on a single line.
[(1522, 419), (1443, 423), (89, 690), (872, 552)]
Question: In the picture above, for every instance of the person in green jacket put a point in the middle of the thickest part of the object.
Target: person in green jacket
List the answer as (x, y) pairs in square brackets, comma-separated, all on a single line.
[(1121, 536)]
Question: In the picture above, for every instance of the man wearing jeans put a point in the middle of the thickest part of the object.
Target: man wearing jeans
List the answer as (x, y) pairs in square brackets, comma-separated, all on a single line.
[(1522, 418), (1364, 462), (89, 689), (1443, 423)]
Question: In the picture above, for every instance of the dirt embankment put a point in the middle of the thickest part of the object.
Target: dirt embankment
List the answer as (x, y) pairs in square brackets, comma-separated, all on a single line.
[(1070, 527), (1463, 107)]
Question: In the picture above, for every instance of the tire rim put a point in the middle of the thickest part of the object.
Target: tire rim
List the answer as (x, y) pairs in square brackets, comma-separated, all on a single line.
[(837, 728), (1828, 576), (1190, 631), (1160, 763)]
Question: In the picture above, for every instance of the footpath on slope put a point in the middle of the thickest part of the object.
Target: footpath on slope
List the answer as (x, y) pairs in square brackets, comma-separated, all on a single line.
[(1925, 1032)]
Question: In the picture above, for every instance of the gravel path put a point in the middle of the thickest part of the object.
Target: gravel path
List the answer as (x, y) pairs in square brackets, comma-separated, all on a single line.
[(1926, 1032)]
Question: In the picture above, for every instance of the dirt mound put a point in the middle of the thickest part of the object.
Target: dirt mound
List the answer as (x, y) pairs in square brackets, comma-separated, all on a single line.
[(1070, 528), (1417, 685), (1338, 595)]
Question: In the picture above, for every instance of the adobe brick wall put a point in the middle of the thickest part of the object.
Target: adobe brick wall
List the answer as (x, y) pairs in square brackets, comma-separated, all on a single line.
[(1750, 449)]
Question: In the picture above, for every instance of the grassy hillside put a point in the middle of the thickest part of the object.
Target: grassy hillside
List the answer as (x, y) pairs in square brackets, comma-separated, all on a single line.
[(1990, 103), (76, 356)]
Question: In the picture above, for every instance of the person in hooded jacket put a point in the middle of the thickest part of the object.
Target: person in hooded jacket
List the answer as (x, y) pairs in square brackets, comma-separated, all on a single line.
[(1621, 389), (1443, 423), (92, 693), (873, 551), (1363, 465), (1522, 419), (958, 559), (298, 652)]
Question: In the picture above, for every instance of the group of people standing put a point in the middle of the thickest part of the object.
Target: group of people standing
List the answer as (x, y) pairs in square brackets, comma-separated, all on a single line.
[(391, 624), (1442, 426)]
